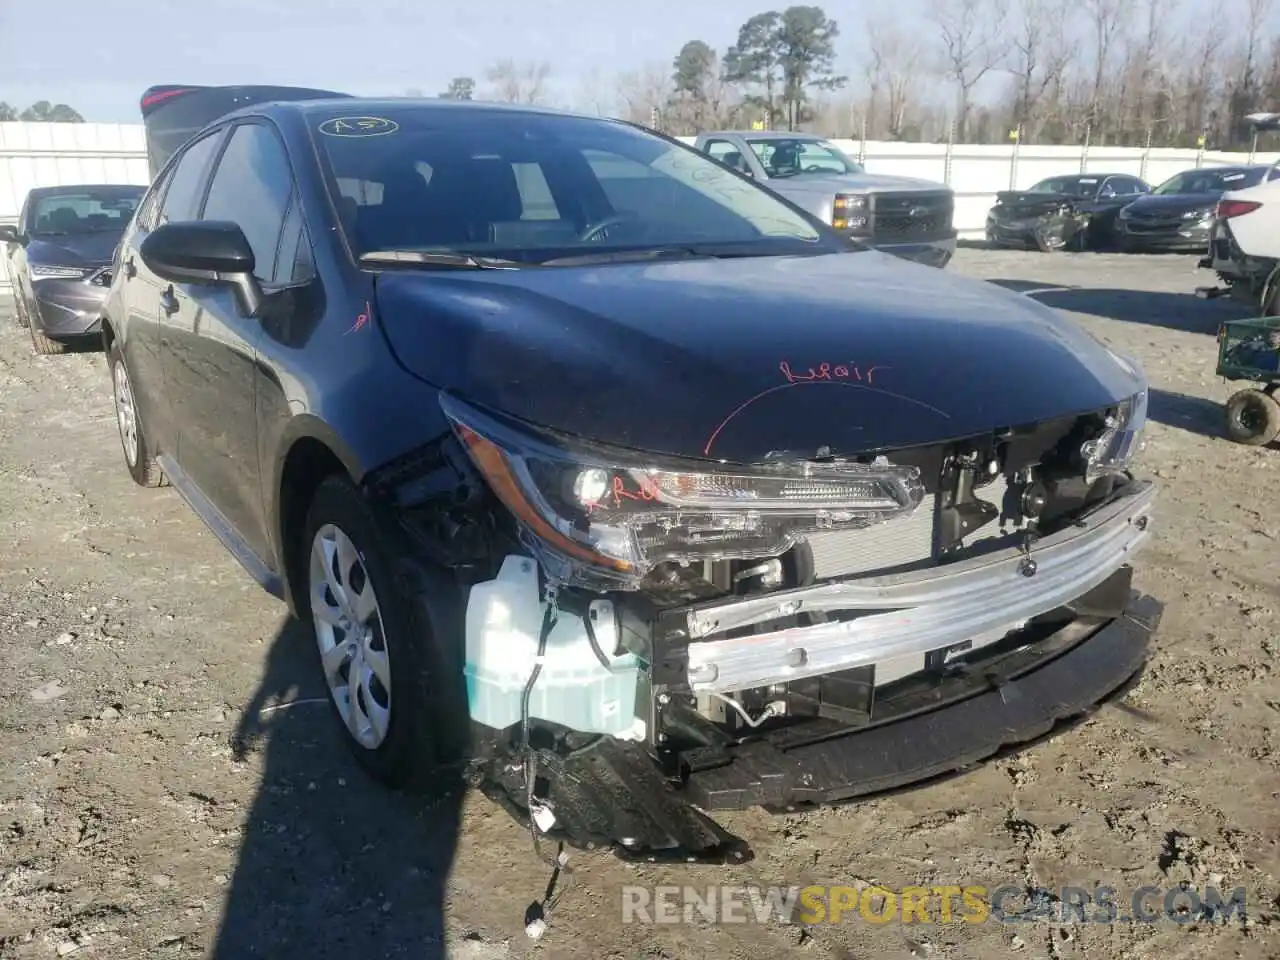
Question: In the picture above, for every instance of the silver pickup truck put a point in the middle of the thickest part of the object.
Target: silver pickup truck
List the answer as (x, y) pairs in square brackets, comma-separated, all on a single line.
[(904, 216)]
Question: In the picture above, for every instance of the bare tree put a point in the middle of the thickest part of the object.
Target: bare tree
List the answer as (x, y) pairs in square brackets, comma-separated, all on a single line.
[(1041, 54), (594, 96), (971, 33), (891, 74), (519, 83), (644, 92), (1245, 89), (1106, 19)]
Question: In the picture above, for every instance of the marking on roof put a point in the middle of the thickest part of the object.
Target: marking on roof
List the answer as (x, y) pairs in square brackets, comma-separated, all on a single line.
[(358, 127)]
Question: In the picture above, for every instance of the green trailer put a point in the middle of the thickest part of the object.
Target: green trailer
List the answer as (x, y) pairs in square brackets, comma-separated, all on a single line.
[(1249, 350)]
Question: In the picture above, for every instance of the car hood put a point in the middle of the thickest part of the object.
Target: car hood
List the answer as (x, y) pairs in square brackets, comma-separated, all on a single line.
[(1172, 203), (853, 182), (74, 250), (1012, 202), (734, 359)]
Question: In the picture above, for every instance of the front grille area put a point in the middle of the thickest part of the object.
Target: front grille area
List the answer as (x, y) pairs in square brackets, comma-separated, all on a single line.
[(886, 546), (1163, 226), (911, 216)]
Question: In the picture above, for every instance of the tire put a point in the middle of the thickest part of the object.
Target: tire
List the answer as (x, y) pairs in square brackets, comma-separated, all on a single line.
[(139, 454), (415, 627), (43, 345), (1253, 417), (1271, 291)]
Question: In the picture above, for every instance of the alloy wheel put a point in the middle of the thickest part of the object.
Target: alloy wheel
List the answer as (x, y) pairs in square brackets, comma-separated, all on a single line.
[(126, 413)]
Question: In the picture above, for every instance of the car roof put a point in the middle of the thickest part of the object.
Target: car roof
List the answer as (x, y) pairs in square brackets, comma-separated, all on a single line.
[(1090, 175), (83, 187), (1229, 168), (765, 134)]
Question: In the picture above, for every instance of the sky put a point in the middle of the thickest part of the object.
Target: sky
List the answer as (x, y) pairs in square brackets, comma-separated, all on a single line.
[(117, 48)]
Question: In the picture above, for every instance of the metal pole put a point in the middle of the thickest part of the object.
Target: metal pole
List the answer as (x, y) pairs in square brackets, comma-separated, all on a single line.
[(1204, 138), (1013, 157), (1146, 157), (1084, 150), (862, 140), (946, 163), (1253, 148)]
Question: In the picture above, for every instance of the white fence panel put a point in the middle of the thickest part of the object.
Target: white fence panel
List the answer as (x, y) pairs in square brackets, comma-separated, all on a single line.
[(49, 154)]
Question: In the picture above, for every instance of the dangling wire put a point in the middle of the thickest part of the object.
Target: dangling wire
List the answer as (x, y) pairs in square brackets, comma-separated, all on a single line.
[(536, 915)]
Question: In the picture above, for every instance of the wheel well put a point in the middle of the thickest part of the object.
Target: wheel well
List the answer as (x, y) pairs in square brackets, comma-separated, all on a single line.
[(306, 466), (108, 334)]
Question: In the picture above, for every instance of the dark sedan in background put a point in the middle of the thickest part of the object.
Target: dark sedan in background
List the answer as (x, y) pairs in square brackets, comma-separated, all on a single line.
[(58, 258), (1074, 211), (1177, 215)]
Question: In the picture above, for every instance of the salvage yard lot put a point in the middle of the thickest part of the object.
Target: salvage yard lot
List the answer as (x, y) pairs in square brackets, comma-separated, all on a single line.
[(172, 784)]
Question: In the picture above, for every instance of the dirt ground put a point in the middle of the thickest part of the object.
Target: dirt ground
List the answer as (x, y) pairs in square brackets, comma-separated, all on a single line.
[(172, 782)]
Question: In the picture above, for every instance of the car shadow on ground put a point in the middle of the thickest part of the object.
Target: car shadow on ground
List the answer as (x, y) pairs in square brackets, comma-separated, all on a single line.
[(1184, 312), (331, 864), (1193, 414)]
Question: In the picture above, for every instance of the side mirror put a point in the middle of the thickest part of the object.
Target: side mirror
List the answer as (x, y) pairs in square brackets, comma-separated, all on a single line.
[(208, 252), (9, 233)]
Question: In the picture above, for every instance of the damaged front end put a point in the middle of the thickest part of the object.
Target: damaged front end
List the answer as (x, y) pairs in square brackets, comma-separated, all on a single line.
[(649, 639), (1063, 228)]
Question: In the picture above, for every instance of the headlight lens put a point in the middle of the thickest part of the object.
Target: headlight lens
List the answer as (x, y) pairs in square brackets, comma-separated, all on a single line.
[(849, 212), (605, 517), (1114, 449), (1201, 214), (47, 270)]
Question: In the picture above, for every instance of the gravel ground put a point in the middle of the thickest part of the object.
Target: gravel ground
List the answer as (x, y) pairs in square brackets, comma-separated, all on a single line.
[(171, 782)]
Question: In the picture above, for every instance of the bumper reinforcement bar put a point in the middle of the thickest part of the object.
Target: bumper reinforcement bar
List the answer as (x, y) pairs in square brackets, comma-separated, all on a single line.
[(938, 742), (986, 596)]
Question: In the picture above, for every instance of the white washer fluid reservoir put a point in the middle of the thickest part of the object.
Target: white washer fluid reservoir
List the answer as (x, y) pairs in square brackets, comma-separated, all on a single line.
[(504, 618)]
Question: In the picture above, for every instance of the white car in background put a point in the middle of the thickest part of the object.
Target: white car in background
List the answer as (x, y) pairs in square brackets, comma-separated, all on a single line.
[(1244, 241)]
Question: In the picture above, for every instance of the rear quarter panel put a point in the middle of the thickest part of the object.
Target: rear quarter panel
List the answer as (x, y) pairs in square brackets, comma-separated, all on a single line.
[(1258, 233)]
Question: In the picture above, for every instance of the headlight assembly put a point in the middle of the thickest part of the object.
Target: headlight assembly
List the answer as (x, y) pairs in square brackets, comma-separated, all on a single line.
[(606, 516), (1112, 450), (849, 212)]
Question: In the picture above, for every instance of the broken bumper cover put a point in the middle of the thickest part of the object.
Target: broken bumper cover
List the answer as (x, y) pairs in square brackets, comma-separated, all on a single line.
[(615, 793), (985, 597)]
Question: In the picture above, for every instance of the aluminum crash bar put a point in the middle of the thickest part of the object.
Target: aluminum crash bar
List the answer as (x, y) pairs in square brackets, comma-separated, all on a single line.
[(986, 596)]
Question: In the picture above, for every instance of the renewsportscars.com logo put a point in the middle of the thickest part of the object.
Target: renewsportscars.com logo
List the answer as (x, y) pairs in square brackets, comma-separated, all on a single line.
[(974, 903)]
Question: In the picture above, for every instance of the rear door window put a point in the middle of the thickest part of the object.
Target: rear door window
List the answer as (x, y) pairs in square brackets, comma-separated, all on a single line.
[(186, 182), (252, 188)]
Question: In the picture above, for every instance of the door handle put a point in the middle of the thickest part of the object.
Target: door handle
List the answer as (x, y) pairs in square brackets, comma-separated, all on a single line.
[(130, 271), (168, 302)]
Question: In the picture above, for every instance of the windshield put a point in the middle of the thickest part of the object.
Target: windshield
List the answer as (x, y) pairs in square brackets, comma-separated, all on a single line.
[(1068, 186), (533, 187), (1211, 181), (787, 158), (84, 210)]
